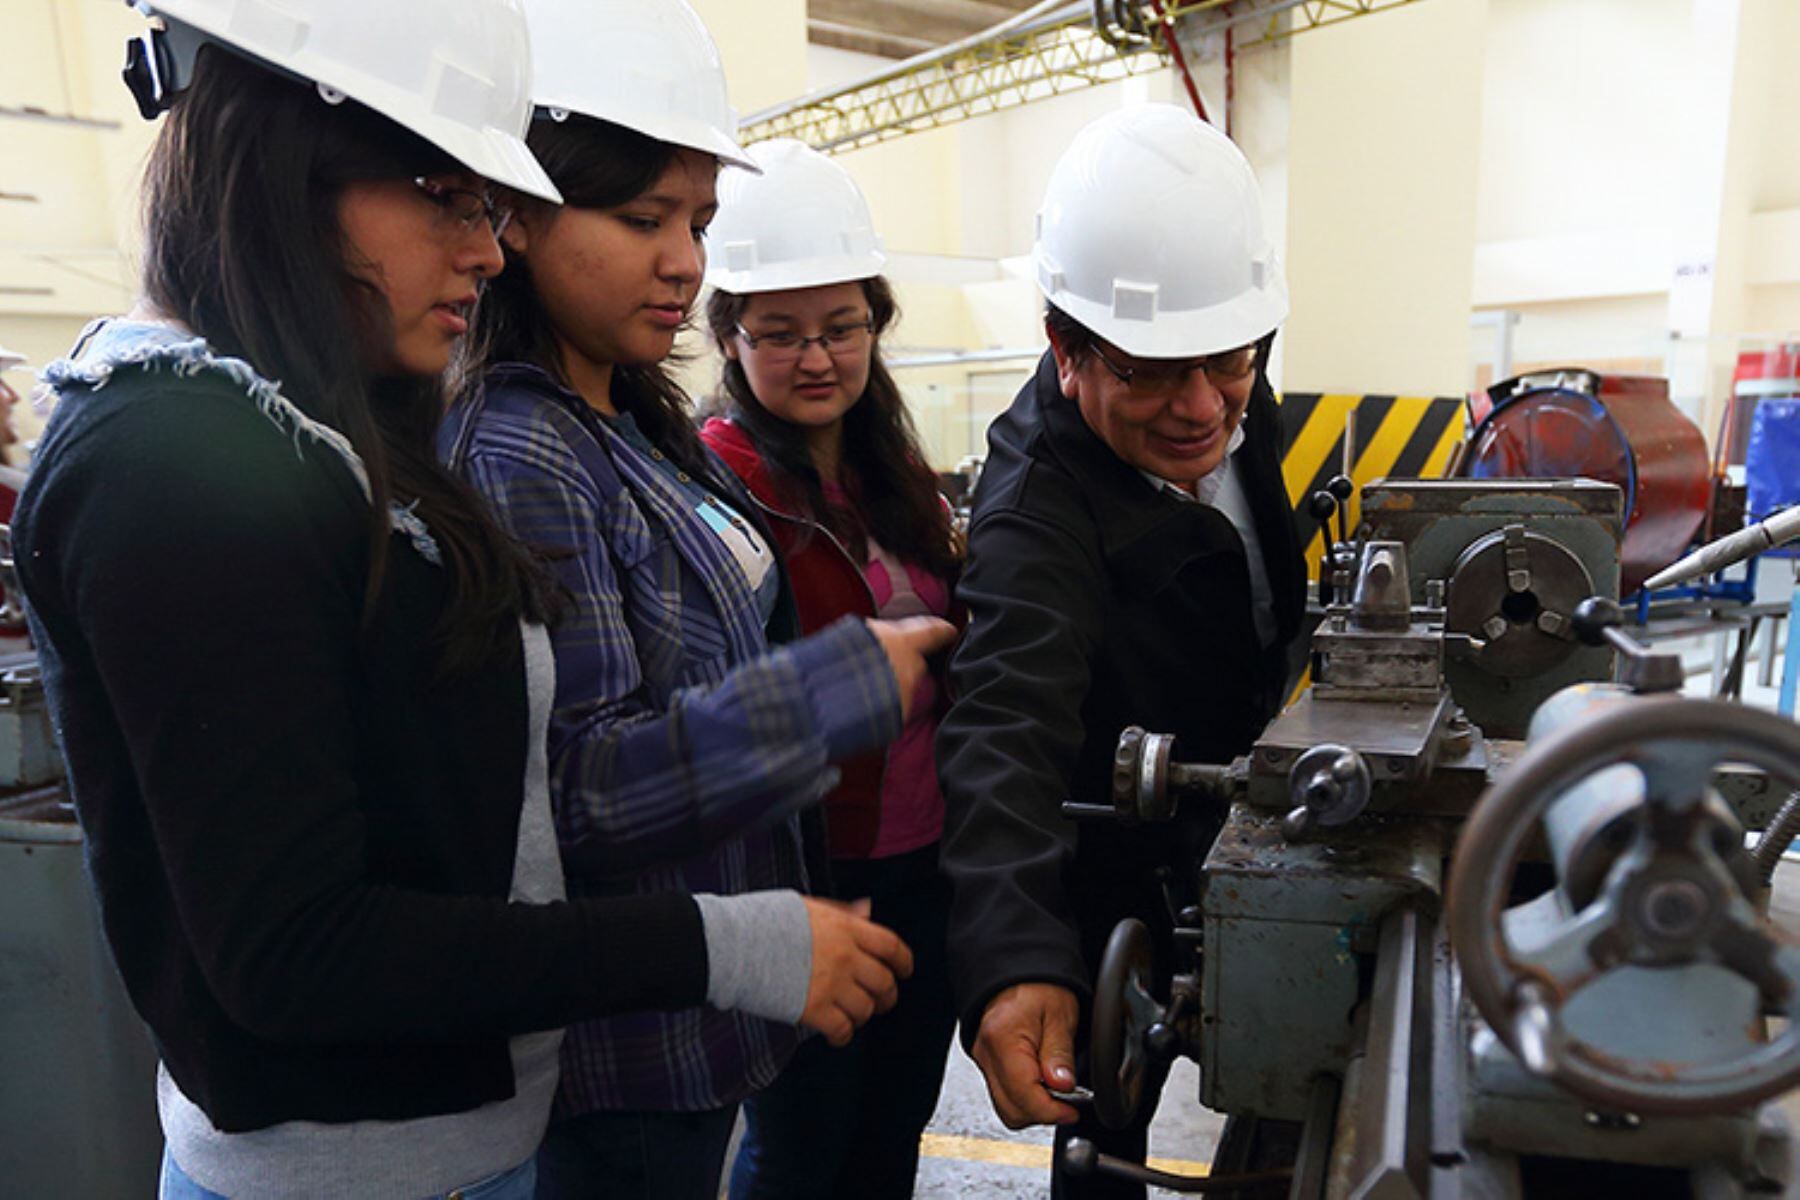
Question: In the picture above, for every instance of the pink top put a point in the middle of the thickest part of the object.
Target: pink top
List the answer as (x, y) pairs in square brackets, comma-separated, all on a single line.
[(912, 808)]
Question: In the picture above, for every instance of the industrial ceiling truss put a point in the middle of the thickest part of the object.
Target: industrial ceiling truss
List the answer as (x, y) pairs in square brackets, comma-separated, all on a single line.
[(983, 75), (1256, 21), (1042, 51)]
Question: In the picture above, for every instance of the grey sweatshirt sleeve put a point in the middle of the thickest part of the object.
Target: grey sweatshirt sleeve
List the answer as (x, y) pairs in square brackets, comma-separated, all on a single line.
[(758, 953)]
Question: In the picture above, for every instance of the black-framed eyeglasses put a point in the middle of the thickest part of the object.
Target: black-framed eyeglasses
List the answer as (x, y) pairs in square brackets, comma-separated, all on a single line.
[(1159, 376), (465, 208), (840, 337)]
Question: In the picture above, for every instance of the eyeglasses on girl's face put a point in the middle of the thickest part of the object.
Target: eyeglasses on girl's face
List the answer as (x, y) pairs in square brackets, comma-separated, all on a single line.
[(461, 209), (1155, 377), (839, 337)]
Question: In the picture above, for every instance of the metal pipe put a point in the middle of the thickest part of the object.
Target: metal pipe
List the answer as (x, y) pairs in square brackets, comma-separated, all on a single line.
[(1313, 1159), (1180, 60), (1230, 79), (1390, 1153), (1765, 662), (1045, 15), (1346, 1129), (1082, 1159), (1777, 838), (1731, 549), (1117, 26)]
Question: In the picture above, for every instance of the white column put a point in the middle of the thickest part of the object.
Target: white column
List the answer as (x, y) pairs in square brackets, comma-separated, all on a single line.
[(1732, 52)]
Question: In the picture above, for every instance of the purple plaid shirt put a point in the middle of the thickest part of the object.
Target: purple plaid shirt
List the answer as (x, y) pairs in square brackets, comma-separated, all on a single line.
[(681, 746)]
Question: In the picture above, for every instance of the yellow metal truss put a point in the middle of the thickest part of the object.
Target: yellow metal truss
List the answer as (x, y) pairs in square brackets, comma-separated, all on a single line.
[(1258, 21), (1004, 72), (1060, 52)]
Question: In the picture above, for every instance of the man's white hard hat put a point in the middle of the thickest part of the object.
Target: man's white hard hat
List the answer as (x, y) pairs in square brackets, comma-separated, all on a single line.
[(1151, 235)]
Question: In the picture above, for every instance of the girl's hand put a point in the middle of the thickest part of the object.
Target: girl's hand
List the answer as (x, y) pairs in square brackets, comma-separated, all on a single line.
[(909, 642)]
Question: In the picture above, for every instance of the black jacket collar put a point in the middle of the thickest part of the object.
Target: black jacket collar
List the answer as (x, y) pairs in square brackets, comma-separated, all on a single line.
[(1129, 511), (1137, 524)]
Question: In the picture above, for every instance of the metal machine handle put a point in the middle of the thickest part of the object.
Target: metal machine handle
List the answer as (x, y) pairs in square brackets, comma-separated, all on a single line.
[(1146, 784), (1669, 900), (12, 608), (1598, 621), (1120, 24), (1328, 786), (1124, 1009), (1082, 1158)]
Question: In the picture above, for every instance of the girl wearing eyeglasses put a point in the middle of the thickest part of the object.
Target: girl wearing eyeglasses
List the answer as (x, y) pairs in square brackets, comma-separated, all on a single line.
[(819, 432), (301, 678), (692, 733)]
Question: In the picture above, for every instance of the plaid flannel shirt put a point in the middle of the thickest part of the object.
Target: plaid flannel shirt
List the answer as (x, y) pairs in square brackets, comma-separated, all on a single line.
[(681, 745)]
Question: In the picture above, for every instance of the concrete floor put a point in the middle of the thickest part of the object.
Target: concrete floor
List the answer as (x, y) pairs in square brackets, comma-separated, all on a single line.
[(968, 1153)]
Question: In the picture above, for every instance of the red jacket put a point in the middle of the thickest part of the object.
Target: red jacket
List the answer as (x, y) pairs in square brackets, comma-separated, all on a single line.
[(827, 584)]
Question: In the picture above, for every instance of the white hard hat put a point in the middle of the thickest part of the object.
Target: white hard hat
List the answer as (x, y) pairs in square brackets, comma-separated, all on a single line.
[(455, 72), (1151, 235), (802, 223), (649, 65)]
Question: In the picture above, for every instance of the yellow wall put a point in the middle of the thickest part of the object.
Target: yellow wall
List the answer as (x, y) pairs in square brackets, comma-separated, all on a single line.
[(1548, 141), (73, 242), (1384, 142), (763, 46)]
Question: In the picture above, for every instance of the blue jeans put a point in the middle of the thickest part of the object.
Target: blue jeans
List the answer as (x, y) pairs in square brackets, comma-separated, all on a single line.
[(520, 1183), (641, 1155), (846, 1122)]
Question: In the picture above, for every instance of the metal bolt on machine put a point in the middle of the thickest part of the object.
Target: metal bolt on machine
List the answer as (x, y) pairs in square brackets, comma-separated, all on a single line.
[(1432, 962)]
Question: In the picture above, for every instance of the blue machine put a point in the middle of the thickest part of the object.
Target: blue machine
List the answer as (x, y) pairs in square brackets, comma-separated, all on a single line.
[(1772, 463)]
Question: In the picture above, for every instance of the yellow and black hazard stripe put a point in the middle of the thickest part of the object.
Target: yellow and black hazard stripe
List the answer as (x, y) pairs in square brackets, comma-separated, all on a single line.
[(1399, 436)]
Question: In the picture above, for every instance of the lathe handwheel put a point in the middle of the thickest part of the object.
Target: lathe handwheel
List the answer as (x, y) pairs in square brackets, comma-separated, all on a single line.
[(1124, 1010), (1669, 900)]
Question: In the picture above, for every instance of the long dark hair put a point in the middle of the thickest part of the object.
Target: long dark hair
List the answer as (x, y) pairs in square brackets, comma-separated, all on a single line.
[(894, 493), (242, 245), (594, 164)]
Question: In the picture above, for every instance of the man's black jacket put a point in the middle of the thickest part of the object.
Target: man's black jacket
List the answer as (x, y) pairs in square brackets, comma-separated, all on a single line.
[(1096, 602)]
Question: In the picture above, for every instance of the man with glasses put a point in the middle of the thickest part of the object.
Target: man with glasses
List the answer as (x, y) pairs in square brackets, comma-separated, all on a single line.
[(1132, 560)]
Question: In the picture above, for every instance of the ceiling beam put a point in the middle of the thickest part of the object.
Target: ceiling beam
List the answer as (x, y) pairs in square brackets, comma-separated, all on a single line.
[(864, 41), (922, 24)]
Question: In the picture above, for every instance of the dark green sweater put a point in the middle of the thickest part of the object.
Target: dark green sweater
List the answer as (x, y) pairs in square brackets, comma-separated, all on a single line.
[(301, 840)]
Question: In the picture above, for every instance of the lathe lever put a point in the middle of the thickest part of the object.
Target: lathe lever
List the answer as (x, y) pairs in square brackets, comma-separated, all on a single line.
[(1329, 785), (1597, 621), (1082, 1158)]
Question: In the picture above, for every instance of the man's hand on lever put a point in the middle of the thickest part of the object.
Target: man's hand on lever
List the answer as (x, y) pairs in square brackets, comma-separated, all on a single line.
[(1026, 1048)]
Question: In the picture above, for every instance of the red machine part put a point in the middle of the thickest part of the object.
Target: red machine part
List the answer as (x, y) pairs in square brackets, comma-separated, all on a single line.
[(1619, 429), (1777, 362), (1774, 371)]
